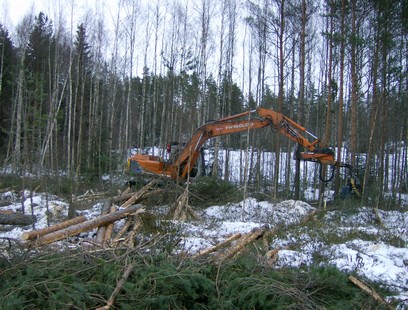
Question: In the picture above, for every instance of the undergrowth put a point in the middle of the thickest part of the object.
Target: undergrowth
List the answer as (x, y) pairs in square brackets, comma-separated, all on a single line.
[(85, 280), (209, 191)]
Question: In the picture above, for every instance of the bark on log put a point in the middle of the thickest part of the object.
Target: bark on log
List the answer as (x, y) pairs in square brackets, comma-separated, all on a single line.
[(246, 239), (218, 246), (124, 229), (369, 291), (86, 226), (125, 195), (100, 235), (17, 218), (109, 228), (137, 225), (47, 230), (181, 210), (122, 197), (143, 191)]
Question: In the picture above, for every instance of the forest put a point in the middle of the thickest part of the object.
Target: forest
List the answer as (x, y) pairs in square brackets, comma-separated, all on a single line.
[(78, 92)]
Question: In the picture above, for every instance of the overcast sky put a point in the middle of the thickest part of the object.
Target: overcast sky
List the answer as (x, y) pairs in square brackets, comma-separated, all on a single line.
[(13, 11)]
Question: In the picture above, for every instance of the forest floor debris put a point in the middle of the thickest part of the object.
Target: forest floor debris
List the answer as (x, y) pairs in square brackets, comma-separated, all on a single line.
[(292, 233)]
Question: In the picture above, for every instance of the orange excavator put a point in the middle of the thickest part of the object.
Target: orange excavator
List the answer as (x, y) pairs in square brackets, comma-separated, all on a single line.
[(182, 164)]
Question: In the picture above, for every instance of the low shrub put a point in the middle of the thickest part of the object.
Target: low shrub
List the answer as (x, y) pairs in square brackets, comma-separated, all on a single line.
[(209, 191), (83, 280)]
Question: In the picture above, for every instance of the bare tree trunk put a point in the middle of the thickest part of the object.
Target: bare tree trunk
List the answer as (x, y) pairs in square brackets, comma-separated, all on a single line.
[(281, 94), (300, 114), (373, 122), (19, 113), (131, 32), (341, 95), (113, 93), (354, 86), (202, 69), (81, 78), (383, 168), (155, 113), (329, 68), (327, 131), (69, 113)]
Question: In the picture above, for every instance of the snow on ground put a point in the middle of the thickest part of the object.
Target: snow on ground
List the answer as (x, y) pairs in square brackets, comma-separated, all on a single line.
[(374, 245)]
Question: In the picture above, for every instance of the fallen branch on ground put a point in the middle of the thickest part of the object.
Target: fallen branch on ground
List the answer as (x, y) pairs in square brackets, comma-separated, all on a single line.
[(242, 243), (219, 245), (118, 288), (369, 291)]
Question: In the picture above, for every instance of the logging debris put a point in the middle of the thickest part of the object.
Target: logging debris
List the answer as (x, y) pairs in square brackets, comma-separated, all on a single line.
[(16, 218), (181, 210), (370, 291), (124, 207), (105, 222)]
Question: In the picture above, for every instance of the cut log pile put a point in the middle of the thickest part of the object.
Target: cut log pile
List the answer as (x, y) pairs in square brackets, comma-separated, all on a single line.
[(110, 214)]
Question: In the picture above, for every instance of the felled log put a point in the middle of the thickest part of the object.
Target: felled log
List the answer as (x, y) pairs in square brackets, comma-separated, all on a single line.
[(100, 234), (137, 226), (17, 218), (242, 243), (6, 228), (86, 226), (142, 192), (123, 196), (181, 210), (47, 230), (273, 255), (89, 195), (369, 291), (218, 246), (109, 228), (124, 229)]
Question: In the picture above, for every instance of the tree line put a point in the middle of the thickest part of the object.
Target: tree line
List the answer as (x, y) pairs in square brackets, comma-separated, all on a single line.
[(77, 97)]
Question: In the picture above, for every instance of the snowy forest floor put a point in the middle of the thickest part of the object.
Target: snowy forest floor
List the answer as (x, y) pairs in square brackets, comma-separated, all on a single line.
[(368, 243)]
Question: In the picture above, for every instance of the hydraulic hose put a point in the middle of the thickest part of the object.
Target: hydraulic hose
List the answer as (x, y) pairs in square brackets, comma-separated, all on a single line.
[(321, 176)]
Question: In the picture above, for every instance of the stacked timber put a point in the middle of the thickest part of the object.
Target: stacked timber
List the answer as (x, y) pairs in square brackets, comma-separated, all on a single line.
[(111, 213)]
